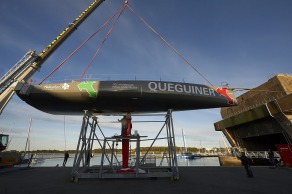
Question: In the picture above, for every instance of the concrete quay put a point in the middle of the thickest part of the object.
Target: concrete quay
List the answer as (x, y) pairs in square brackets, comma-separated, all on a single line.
[(205, 180)]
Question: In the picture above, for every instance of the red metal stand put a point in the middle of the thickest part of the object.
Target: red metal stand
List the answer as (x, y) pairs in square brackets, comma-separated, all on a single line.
[(126, 131)]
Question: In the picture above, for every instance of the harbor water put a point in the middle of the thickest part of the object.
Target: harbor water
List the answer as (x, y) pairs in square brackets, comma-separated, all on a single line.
[(51, 160)]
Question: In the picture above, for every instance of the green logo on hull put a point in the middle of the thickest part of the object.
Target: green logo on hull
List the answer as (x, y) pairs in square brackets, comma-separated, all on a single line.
[(88, 86)]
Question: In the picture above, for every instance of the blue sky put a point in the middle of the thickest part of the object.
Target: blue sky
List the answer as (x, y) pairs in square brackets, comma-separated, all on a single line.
[(242, 42)]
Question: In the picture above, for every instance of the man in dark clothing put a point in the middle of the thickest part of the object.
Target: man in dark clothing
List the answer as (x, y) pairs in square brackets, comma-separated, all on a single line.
[(66, 156), (271, 157), (245, 163), (124, 123)]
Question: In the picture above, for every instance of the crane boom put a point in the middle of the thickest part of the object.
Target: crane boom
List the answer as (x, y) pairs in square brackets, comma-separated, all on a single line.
[(23, 72)]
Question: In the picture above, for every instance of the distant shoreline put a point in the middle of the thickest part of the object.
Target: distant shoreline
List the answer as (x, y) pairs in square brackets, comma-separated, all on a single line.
[(154, 150)]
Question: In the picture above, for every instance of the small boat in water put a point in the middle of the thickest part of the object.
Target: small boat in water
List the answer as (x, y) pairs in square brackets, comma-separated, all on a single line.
[(186, 154), (189, 156), (119, 97)]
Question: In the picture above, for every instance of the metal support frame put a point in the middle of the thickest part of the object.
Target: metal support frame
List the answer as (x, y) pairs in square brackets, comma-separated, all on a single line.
[(85, 142), (171, 144), (83, 169)]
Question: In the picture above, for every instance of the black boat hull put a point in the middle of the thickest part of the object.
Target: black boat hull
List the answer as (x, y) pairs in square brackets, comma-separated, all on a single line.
[(119, 97)]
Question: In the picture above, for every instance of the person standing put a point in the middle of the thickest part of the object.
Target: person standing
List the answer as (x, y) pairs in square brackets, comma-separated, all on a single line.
[(245, 163), (66, 156), (271, 157), (124, 123)]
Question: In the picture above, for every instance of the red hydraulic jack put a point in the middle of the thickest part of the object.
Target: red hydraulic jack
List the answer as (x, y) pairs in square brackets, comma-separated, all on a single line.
[(126, 132)]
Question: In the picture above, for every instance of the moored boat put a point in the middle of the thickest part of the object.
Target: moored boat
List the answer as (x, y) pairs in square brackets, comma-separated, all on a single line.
[(188, 156)]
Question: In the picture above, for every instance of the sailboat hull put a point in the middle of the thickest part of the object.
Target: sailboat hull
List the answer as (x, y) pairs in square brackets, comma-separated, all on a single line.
[(116, 97)]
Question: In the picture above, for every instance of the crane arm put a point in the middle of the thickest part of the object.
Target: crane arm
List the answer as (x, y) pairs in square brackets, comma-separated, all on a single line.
[(21, 75), (42, 57)]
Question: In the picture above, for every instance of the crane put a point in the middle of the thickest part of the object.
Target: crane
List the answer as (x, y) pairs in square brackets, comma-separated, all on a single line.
[(20, 73)]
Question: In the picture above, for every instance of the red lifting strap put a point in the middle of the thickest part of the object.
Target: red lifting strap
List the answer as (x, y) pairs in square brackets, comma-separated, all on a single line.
[(83, 43), (105, 38)]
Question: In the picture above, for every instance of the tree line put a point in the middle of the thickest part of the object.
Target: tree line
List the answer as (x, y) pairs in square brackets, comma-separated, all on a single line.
[(156, 150)]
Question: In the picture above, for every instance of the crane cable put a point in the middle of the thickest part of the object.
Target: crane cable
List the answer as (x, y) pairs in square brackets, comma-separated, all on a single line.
[(181, 56), (98, 49), (82, 44), (257, 90), (65, 132), (169, 45), (105, 38)]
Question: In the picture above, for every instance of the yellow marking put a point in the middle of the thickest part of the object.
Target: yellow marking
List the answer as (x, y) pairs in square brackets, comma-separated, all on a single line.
[(66, 29)]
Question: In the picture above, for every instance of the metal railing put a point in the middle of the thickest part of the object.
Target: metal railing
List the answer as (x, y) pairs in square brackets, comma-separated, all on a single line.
[(261, 154), (254, 154), (15, 69)]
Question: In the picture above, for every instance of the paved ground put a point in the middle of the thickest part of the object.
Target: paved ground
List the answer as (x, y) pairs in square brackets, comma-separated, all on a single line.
[(55, 180)]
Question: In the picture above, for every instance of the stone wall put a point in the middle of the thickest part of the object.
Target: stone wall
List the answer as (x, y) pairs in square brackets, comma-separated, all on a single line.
[(276, 87)]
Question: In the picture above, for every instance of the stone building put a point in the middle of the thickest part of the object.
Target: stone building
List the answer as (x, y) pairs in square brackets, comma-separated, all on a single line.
[(263, 117)]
